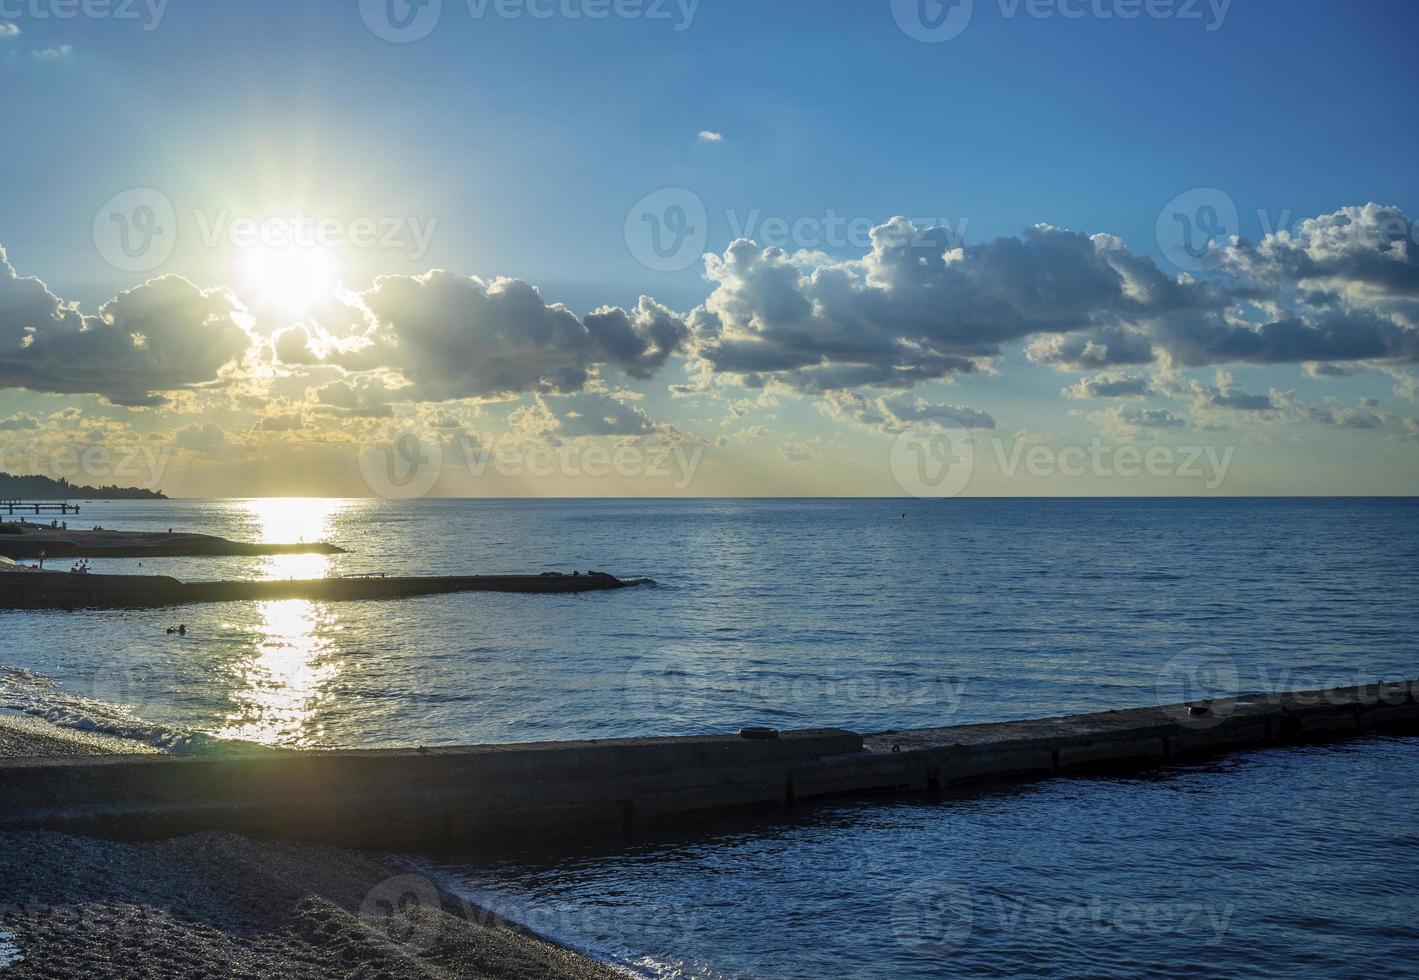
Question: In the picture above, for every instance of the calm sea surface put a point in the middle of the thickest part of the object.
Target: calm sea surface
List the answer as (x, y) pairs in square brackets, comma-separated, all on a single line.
[(807, 612)]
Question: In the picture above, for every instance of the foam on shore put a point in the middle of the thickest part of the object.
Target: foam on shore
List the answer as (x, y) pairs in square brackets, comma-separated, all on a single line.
[(33, 707)]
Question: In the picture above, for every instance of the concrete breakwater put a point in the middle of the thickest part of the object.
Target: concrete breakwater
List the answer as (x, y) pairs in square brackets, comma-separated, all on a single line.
[(67, 590), (510, 794), (25, 541)]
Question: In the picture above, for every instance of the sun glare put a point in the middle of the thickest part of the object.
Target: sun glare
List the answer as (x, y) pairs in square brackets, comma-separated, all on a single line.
[(291, 280), (288, 520)]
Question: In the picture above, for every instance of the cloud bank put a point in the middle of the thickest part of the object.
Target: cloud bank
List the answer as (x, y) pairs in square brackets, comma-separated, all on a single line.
[(161, 336)]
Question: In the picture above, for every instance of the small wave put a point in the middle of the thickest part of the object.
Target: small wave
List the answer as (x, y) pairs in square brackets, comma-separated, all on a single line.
[(491, 906), (39, 697)]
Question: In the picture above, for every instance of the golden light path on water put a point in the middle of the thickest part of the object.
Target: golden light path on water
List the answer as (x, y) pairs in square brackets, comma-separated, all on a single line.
[(281, 685)]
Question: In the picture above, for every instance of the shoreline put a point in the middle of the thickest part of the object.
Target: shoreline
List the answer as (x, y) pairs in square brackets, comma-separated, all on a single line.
[(270, 854), (25, 736), (221, 904)]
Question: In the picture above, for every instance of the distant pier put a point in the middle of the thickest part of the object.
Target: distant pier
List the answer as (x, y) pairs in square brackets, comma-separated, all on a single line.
[(509, 795), (38, 506)]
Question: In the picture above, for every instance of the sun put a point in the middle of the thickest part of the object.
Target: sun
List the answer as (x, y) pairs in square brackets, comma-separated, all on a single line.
[(290, 280)]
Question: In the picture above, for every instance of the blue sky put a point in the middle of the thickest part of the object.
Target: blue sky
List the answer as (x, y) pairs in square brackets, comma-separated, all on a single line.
[(522, 144)]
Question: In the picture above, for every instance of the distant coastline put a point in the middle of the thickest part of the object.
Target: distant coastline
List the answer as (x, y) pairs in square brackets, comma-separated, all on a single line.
[(44, 488)]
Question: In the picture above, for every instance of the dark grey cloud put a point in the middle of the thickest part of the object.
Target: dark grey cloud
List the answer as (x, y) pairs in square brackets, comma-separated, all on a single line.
[(1370, 248), (1105, 348), (918, 308), (292, 346), (22, 422), (1124, 417), (1325, 369), (1151, 418), (1358, 417), (200, 437), (1226, 395), (1241, 401), (1111, 385), (597, 413), (640, 341), (456, 337), (896, 413), (161, 336), (1353, 334), (359, 397)]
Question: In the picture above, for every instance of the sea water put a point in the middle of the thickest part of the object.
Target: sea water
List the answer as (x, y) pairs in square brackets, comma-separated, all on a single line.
[(867, 614)]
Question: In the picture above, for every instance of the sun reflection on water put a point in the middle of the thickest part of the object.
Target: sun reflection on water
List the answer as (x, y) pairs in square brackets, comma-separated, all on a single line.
[(282, 684), (290, 520)]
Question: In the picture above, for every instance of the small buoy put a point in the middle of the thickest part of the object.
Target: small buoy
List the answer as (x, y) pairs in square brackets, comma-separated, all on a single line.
[(758, 733)]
